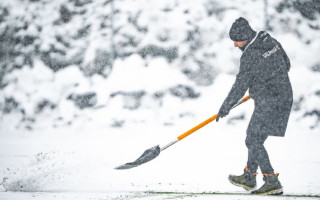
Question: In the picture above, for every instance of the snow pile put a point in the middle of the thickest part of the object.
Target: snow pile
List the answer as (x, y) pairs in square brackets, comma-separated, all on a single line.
[(42, 170)]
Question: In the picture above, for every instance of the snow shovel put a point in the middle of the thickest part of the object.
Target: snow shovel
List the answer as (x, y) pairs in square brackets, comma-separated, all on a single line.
[(153, 152)]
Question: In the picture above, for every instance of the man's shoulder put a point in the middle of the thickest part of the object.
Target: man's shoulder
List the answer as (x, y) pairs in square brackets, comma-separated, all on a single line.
[(263, 43)]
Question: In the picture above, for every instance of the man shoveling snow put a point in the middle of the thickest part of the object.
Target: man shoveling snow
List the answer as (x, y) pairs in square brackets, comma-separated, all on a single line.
[(264, 67)]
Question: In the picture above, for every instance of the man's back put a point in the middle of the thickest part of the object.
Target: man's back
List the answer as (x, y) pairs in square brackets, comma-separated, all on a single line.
[(269, 66)]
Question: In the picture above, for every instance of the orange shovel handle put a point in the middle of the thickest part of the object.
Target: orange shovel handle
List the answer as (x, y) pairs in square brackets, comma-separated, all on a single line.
[(202, 124)]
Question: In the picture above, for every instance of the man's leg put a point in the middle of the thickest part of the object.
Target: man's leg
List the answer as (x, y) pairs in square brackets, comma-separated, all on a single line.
[(257, 154), (258, 157)]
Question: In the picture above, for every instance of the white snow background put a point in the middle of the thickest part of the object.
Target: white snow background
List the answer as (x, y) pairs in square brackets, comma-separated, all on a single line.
[(70, 153)]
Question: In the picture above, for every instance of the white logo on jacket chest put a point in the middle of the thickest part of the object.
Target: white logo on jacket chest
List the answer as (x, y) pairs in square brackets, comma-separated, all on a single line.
[(270, 52)]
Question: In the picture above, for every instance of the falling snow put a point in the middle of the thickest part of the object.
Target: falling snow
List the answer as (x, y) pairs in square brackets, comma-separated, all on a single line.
[(86, 86)]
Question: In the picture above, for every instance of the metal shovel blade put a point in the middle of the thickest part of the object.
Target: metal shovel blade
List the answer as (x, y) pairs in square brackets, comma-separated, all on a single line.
[(148, 155)]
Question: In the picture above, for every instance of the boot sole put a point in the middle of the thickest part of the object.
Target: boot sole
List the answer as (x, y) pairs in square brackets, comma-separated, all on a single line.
[(271, 192), (240, 185)]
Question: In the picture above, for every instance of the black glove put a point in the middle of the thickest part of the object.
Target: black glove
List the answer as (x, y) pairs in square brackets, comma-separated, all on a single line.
[(223, 111)]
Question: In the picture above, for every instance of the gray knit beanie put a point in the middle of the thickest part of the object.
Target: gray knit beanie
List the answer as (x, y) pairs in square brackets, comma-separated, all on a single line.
[(241, 30)]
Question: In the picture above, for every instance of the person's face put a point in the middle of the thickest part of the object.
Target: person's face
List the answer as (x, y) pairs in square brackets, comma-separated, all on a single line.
[(240, 43)]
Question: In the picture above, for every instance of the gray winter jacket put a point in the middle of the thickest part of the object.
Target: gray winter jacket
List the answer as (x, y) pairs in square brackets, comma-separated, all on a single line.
[(264, 67)]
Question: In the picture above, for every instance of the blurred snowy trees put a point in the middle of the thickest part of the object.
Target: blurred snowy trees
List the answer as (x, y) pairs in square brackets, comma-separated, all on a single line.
[(90, 37)]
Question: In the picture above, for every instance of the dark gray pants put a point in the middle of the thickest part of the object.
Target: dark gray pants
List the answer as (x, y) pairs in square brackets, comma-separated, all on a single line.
[(257, 154)]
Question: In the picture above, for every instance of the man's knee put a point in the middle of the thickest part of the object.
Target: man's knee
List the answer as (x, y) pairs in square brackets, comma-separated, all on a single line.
[(251, 137), (254, 145), (255, 140), (249, 142)]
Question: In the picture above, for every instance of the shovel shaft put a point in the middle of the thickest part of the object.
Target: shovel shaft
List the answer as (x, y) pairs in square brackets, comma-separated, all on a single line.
[(153, 152), (169, 145), (202, 124)]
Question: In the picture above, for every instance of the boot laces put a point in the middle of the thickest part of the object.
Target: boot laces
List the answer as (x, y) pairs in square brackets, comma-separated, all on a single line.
[(266, 176), (248, 171)]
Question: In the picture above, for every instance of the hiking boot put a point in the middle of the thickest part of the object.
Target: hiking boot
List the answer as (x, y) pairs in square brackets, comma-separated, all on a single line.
[(272, 186), (247, 180)]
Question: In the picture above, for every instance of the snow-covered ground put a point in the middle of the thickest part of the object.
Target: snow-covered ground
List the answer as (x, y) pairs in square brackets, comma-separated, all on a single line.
[(78, 164)]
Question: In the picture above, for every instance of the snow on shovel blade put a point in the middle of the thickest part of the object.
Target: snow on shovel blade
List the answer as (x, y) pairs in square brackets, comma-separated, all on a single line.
[(148, 155)]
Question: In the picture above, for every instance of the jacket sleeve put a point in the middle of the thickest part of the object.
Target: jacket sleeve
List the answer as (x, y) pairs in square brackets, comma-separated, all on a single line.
[(241, 83), (285, 57)]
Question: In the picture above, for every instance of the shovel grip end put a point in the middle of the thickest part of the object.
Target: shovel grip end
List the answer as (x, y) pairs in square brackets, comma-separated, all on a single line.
[(244, 99)]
